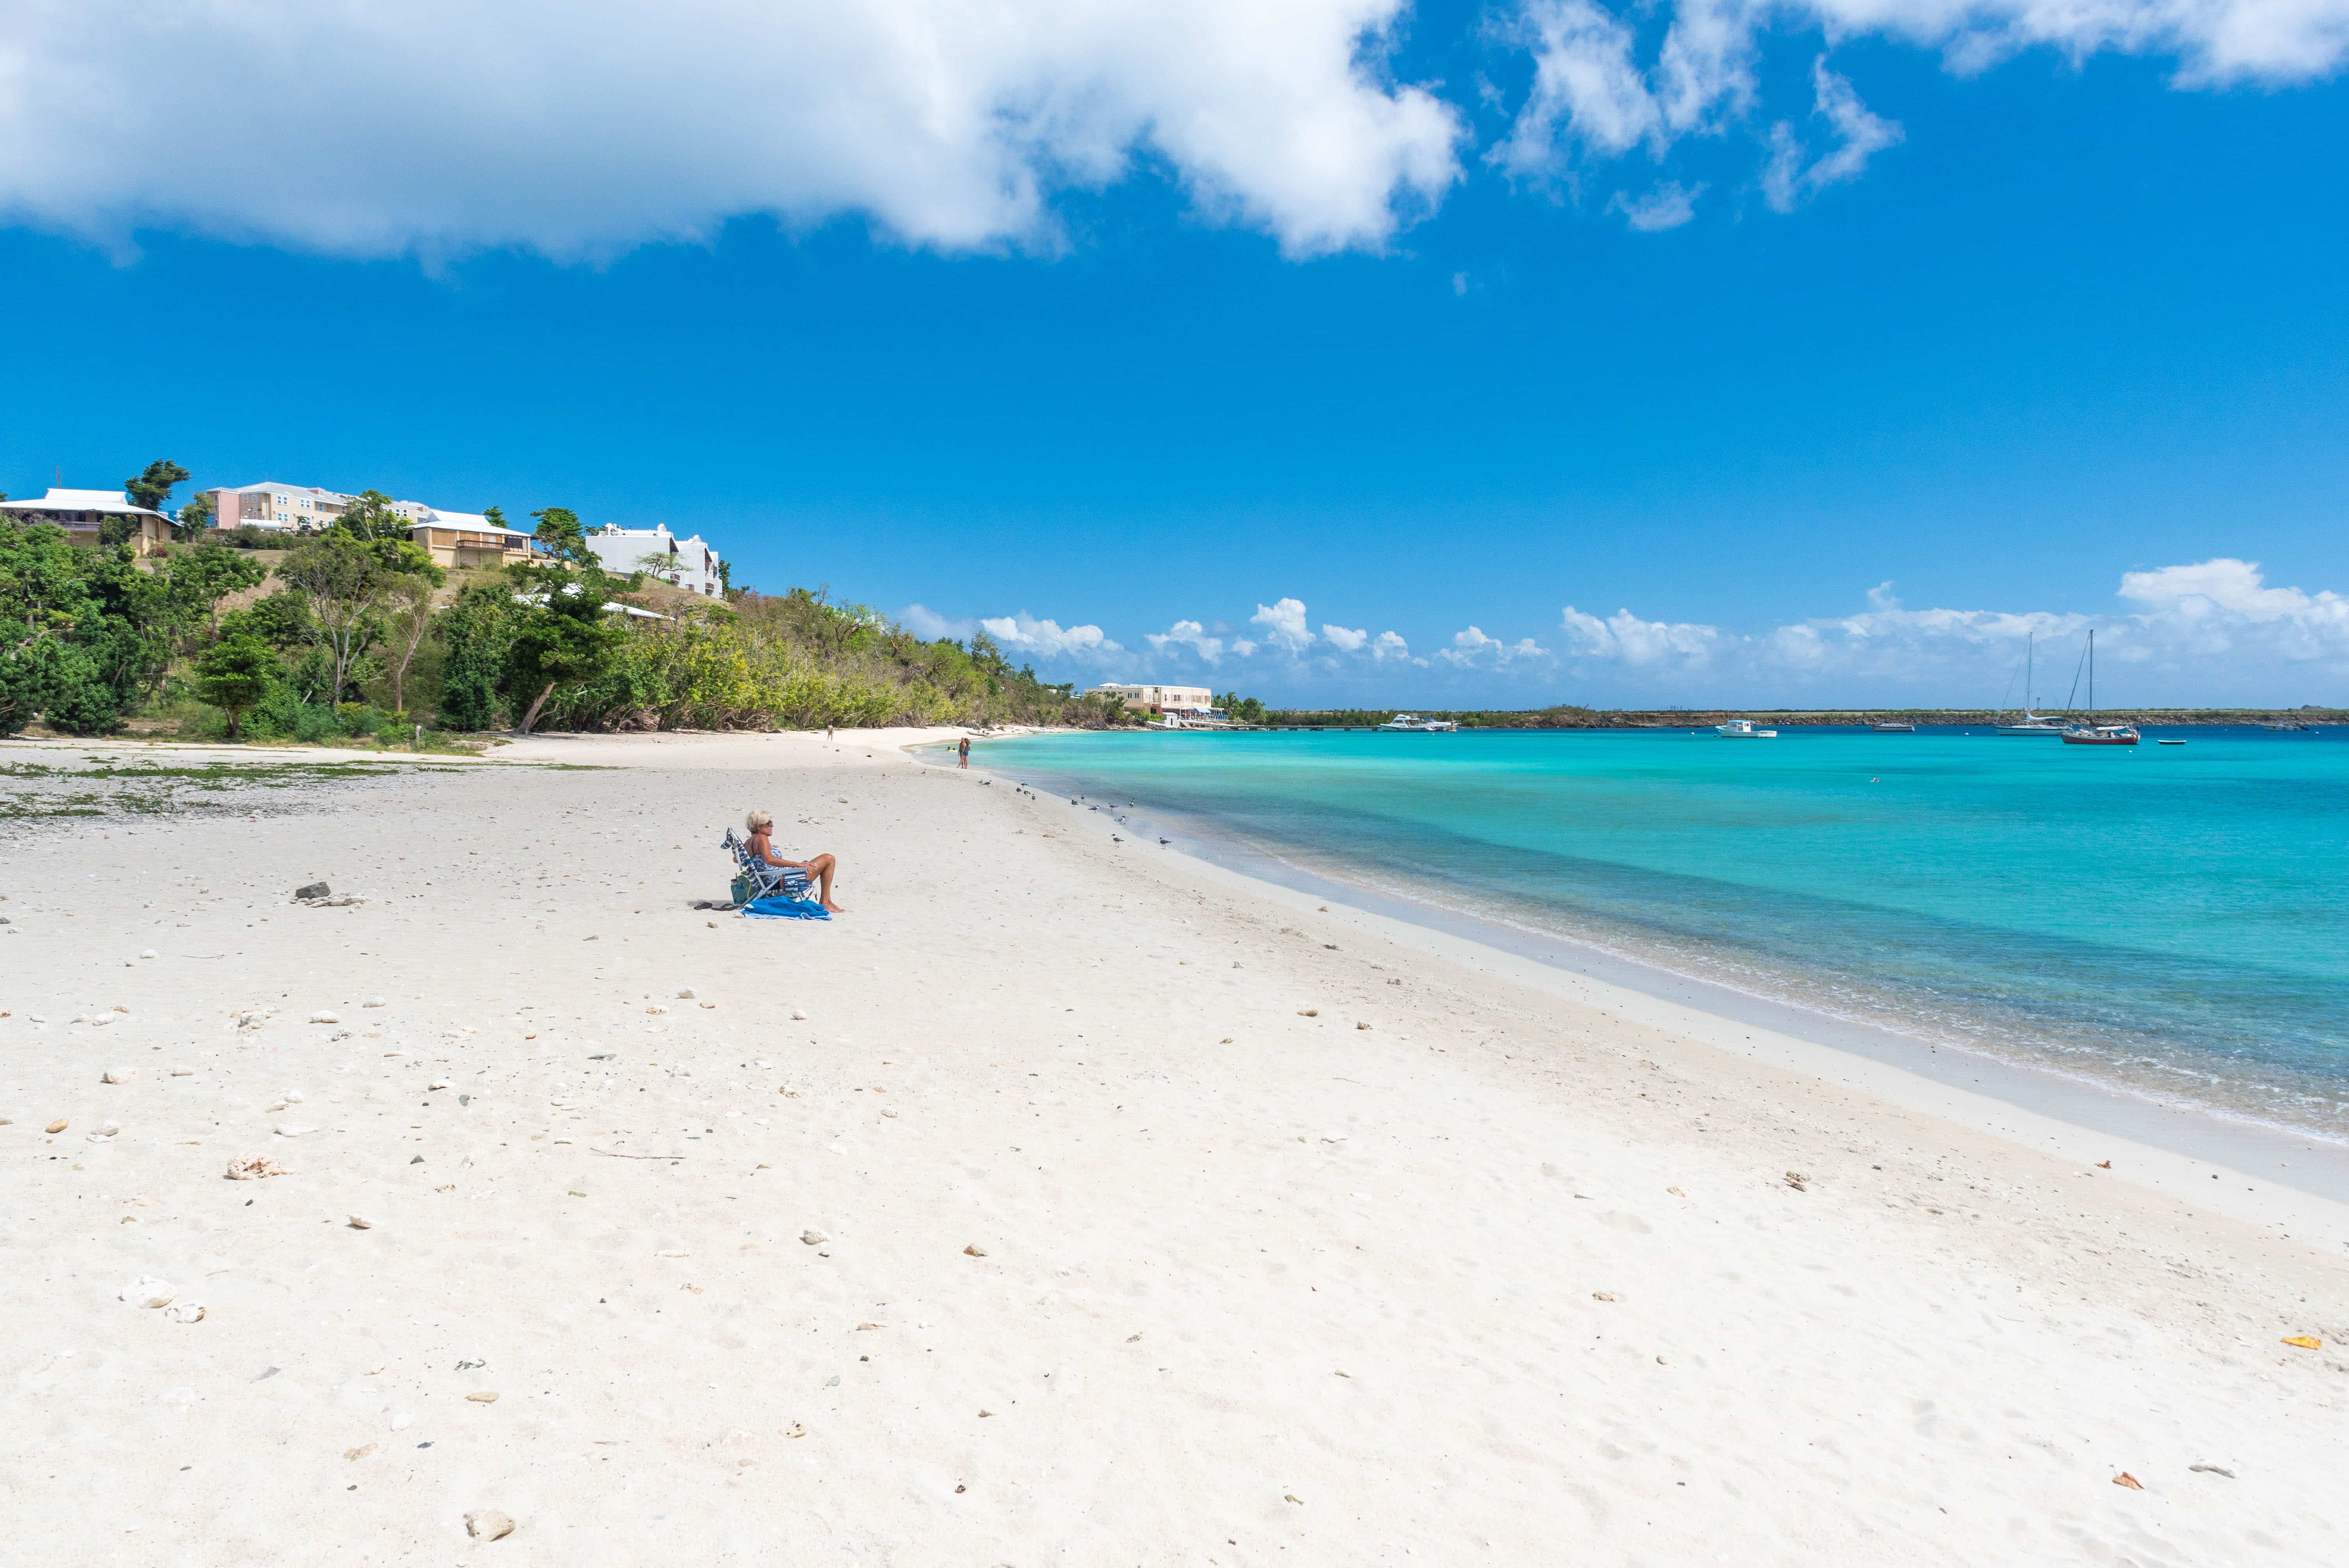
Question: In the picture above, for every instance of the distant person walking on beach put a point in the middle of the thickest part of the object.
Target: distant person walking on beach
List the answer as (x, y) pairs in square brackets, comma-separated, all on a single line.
[(962, 753), (827, 732), (763, 850)]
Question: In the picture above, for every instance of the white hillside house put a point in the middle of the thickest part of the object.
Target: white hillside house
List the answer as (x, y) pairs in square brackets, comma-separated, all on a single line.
[(690, 564), (82, 512)]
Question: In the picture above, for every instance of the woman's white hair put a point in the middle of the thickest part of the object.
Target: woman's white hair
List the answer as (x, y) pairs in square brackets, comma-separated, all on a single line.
[(758, 820)]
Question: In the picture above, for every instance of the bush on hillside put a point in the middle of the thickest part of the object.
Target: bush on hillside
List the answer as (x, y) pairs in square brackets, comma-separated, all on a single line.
[(796, 662)]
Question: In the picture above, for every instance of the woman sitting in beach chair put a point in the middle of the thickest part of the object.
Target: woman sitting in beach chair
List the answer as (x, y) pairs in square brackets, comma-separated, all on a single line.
[(761, 853)]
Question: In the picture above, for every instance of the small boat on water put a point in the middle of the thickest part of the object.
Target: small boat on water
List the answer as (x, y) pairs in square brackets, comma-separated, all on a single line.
[(1412, 723), (1743, 729), (1889, 728), (2092, 733), (2170, 742)]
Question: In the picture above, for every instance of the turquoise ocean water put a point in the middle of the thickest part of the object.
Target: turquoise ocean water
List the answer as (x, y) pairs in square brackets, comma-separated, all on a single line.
[(2169, 921)]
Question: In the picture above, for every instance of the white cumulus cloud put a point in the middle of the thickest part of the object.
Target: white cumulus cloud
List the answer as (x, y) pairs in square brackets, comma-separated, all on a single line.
[(1352, 641), (1283, 624), (929, 625), (1472, 649), (1190, 636), (580, 128), (1344, 640), (1668, 206), (1598, 93), (1046, 639), (1793, 175), (1625, 637), (2225, 586), (2209, 632)]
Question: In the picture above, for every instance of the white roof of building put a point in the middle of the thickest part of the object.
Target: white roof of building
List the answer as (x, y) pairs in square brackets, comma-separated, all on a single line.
[(282, 485), (80, 501), (610, 606)]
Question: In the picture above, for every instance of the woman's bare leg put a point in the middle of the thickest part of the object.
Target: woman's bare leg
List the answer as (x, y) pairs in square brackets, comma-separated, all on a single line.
[(824, 866)]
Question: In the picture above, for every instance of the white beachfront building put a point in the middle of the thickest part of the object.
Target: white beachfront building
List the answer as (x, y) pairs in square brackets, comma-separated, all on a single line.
[(692, 565), (82, 512), (1181, 701)]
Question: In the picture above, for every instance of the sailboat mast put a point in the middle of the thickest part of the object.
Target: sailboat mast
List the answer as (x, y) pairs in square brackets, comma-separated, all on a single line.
[(2092, 678)]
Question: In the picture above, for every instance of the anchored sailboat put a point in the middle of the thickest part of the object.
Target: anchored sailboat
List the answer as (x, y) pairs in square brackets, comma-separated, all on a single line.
[(2032, 723), (2092, 733)]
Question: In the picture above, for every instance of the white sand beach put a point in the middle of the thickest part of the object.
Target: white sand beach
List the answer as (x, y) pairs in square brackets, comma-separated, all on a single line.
[(1067, 1201)]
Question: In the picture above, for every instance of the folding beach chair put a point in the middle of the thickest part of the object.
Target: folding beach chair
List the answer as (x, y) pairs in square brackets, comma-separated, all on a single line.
[(756, 880)]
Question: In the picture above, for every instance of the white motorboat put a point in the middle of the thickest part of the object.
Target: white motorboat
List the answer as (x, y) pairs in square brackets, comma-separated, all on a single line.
[(1743, 729), (1890, 728), (1412, 723)]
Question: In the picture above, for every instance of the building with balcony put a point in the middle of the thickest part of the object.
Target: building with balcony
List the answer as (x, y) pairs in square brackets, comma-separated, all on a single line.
[(288, 509), (83, 512), (1181, 702), (457, 539)]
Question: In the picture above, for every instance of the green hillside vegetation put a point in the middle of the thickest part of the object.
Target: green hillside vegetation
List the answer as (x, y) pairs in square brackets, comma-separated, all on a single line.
[(354, 637)]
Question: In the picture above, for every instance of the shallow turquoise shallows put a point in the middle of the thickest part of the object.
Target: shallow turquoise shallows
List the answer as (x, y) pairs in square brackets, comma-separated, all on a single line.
[(2173, 920)]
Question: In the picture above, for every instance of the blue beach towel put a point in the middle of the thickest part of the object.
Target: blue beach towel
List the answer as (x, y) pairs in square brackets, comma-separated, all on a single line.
[(781, 908)]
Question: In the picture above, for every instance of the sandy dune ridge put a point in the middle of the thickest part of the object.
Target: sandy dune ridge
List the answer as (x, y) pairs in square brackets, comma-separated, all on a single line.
[(1102, 1208)]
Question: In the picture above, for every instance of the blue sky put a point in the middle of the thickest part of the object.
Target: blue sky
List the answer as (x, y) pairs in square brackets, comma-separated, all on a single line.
[(1815, 354)]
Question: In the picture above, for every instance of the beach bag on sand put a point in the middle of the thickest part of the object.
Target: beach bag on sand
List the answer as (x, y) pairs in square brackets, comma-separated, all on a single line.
[(785, 909)]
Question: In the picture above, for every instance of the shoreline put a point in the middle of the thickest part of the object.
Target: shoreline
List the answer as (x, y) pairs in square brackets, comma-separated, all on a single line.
[(1064, 1199), (2173, 1148)]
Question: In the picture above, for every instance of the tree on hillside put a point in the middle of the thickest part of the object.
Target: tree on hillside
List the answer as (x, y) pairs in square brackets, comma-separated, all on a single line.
[(565, 540), (345, 579), (200, 578), (408, 616), (195, 520), (151, 487), (560, 634), (281, 620), (475, 631), (81, 632), (342, 582), (233, 675), (195, 582), (370, 518)]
